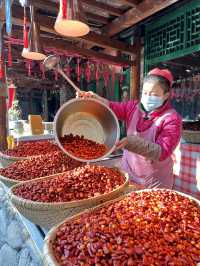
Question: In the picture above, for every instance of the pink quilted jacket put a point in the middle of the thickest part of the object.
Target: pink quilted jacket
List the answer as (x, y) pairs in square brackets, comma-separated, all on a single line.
[(168, 132)]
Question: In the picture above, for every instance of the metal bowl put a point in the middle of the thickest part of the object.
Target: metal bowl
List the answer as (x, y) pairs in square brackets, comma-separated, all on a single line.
[(89, 118)]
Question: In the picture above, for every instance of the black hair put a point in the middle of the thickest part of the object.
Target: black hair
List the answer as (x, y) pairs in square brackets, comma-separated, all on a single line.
[(163, 82)]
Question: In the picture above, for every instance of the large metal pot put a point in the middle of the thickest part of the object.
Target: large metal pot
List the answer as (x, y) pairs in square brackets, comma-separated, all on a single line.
[(90, 118)]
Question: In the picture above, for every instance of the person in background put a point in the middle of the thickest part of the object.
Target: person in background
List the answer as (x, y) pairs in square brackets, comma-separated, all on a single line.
[(153, 131)]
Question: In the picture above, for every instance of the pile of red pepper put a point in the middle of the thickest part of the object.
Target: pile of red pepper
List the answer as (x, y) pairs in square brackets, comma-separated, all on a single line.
[(83, 148), (32, 148), (147, 228), (48, 164), (80, 183)]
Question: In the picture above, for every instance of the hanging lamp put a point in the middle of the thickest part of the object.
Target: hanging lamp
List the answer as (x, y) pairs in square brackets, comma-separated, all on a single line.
[(71, 21), (34, 50)]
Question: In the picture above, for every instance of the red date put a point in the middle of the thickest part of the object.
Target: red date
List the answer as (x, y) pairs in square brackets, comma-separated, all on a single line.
[(145, 228), (80, 183), (32, 148), (83, 148), (49, 164)]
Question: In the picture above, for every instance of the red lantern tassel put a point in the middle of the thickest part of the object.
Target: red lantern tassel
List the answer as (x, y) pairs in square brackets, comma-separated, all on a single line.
[(106, 78), (78, 70), (9, 55), (1, 69), (113, 78), (64, 9), (88, 72), (25, 30), (121, 77), (97, 75), (56, 75)]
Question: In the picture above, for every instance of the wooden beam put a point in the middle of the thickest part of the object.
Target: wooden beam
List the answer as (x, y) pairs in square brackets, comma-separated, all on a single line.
[(95, 17), (131, 3), (47, 25), (105, 7), (63, 46), (135, 15)]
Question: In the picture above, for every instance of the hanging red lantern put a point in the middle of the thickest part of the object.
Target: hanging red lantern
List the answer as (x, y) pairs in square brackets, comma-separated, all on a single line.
[(11, 95), (9, 55)]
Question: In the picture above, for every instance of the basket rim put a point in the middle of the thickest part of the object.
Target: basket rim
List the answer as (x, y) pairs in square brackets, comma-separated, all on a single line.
[(67, 204), (8, 157), (191, 131), (47, 248)]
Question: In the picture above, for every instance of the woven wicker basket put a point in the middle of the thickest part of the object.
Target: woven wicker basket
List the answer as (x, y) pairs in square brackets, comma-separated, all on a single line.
[(8, 181), (48, 215), (48, 256), (191, 136), (6, 160)]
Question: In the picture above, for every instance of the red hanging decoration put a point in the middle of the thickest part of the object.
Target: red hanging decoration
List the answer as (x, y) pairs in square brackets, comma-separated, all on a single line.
[(1, 69), (97, 75), (11, 95), (88, 72), (121, 79), (42, 70), (106, 76), (25, 30), (78, 70), (64, 9), (9, 55), (56, 75), (28, 66), (113, 78)]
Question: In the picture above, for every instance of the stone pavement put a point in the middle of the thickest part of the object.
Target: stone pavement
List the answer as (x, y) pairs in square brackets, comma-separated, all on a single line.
[(16, 246)]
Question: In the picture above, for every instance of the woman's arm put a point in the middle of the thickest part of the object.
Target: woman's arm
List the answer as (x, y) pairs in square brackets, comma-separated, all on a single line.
[(122, 110)]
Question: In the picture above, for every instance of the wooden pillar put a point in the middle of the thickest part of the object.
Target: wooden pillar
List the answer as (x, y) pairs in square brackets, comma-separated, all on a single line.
[(45, 106), (135, 72), (3, 106)]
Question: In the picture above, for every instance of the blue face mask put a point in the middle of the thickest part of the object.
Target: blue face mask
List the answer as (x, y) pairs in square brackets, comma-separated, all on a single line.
[(150, 103)]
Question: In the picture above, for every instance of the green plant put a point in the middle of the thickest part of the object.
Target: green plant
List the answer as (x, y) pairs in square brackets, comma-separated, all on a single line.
[(15, 112)]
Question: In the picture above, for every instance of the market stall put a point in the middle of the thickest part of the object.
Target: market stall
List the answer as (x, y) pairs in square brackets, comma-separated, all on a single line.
[(65, 200)]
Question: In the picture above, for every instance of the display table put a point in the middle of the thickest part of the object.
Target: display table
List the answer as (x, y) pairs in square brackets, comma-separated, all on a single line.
[(187, 169)]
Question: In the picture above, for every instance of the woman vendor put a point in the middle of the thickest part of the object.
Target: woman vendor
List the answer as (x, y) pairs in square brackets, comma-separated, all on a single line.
[(153, 131)]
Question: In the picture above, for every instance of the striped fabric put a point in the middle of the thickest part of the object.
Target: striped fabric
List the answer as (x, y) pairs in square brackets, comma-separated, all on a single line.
[(187, 169)]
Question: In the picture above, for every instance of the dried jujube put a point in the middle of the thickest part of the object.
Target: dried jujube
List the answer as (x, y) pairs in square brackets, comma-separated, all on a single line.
[(146, 228), (83, 148), (49, 164), (81, 183), (32, 148)]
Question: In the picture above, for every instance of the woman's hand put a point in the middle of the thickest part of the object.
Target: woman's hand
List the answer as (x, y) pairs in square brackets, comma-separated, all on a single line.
[(86, 94), (90, 94), (121, 144)]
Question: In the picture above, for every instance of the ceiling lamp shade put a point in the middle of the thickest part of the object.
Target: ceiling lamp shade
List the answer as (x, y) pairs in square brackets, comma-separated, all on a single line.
[(71, 21), (34, 51)]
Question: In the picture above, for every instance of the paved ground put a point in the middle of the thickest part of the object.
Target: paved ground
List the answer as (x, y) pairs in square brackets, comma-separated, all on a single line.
[(16, 246)]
